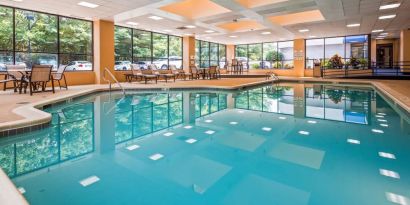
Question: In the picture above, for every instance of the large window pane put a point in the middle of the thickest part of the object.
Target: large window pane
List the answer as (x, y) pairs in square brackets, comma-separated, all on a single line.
[(123, 44), (76, 44), (255, 55), (357, 47), (204, 54), (270, 55), (160, 45), (214, 54), (241, 53), (285, 55), (222, 55), (6, 29), (315, 51), (175, 51), (142, 44), (334, 46), (30, 59)]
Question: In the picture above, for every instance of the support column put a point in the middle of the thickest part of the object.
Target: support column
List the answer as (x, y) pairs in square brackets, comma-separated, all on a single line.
[(189, 107), (103, 49), (299, 57), (230, 53), (405, 49), (189, 52)]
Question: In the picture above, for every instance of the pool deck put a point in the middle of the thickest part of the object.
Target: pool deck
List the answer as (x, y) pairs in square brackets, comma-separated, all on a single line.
[(17, 110)]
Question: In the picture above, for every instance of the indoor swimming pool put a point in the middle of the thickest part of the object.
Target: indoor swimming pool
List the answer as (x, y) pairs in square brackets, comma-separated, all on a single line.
[(285, 144)]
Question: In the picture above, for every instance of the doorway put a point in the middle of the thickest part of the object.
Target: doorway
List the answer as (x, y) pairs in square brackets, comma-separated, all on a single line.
[(384, 55)]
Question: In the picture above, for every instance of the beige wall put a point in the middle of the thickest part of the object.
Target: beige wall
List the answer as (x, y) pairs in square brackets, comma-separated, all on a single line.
[(188, 51), (230, 53), (396, 48)]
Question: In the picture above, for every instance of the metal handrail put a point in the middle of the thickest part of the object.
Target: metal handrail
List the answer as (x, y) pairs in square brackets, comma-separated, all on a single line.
[(114, 78)]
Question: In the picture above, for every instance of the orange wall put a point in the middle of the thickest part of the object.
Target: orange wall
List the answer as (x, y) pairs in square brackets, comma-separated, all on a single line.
[(396, 48), (230, 53), (405, 45), (80, 77), (103, 48)]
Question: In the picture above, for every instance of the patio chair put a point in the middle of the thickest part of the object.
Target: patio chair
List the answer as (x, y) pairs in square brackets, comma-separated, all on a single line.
[(39, 77), (15, 74), (59, 76), (214, 72), (194, 71)]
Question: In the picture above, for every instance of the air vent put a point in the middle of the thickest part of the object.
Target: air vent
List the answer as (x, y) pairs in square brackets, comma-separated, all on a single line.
[(182, 28)]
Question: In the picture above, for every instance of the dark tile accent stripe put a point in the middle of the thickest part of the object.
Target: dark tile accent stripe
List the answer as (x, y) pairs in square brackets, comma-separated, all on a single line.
[(23, 130)]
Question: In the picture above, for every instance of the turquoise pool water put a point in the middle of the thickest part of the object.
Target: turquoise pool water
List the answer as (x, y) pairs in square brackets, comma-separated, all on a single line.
[(286, 144)]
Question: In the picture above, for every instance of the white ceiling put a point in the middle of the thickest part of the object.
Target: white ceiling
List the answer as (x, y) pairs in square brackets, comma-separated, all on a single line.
[(337, 13)]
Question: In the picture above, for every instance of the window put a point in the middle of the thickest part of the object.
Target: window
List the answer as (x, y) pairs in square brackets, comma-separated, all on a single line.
[(285, 59), (348, 48), (266, 55), (255, 55), (44, 39), (206, 104), (142, 48), (270, 55), (175, 51), (147, 48), (204, 62), (160, 50), (6, 37), (123, 44), (36, 38), (76, 43), (315, 51), (209, 54), (222, 55)]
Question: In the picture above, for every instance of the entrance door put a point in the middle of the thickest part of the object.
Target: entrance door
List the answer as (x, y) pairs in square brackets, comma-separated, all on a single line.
[(384, 55)]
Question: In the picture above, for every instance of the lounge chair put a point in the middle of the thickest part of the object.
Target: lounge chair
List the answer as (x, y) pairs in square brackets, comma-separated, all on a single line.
[(149, 75), (40, 76), (180, 72), (165, 74), (136, 73), (59, 75)]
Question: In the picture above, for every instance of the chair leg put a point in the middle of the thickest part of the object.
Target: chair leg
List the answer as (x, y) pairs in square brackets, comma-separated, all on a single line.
[(52, 85), (31, 88), (65, 82), (59, 85)]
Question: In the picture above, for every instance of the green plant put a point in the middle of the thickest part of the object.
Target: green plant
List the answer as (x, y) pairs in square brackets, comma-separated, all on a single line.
[(354, 62), (336, 61)]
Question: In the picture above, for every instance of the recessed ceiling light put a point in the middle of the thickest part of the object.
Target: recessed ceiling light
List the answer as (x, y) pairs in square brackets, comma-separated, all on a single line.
[(132, 23), (312, 36), (353, 25), (88, 4), (266, 33), (389, 6), (17, 0), (167, 30), (187, 34), (155, 18), (384, 34), (303, 30), (377, 30), (387, 16), (233, 36), (282, 39), (190, 26), (209, 31), (379, 38)]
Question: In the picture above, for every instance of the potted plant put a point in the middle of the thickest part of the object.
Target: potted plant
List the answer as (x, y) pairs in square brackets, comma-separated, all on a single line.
[(354, 62), (336, 61)]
